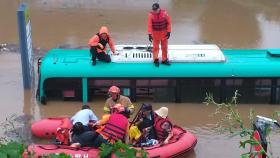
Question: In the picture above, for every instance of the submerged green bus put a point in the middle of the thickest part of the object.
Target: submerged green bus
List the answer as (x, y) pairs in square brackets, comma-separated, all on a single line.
[(68, 73)]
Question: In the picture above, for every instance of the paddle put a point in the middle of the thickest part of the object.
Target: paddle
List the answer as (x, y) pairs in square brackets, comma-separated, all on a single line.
[(136, 116)]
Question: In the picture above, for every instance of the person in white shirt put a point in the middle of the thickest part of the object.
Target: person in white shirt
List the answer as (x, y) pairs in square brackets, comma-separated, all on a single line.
[(85, 116)]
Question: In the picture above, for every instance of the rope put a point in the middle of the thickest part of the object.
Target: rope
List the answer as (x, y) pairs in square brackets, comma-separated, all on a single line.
[(65, 147)]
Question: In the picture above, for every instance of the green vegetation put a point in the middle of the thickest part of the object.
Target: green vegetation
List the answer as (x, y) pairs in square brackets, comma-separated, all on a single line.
[(15, 150), (121, 150), (232, 122), (11, 150)]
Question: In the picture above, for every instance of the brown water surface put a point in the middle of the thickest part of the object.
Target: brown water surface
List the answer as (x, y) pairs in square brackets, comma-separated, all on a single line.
[(228, 23)]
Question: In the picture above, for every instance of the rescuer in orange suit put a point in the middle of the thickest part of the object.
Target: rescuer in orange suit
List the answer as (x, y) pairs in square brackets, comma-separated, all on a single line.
[(159, 29), (98, 44)]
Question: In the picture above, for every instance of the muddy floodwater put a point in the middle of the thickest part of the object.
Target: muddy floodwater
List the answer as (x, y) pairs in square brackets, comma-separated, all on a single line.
[(247, 24)]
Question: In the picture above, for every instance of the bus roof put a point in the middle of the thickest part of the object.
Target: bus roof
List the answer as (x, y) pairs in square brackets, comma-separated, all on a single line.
[(239, 63)]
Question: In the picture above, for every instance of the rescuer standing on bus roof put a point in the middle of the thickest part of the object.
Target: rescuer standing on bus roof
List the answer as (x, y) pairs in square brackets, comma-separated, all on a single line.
[(159, 29)]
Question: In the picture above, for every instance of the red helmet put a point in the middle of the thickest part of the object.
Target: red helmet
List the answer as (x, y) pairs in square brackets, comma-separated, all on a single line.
[(118, 108), (114, 89)]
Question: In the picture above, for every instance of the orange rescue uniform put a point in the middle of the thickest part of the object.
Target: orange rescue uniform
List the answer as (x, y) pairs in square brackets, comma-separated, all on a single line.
[(96, 40), (159, 24)]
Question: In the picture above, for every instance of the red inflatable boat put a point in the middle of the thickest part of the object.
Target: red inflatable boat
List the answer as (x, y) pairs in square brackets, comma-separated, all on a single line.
[(46, 128), (182, 142)]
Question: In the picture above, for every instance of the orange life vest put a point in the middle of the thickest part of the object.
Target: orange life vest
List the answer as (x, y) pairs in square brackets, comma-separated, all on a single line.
[(116, 128), (159, 21), (96, 40), (62, 132), (102, 41)]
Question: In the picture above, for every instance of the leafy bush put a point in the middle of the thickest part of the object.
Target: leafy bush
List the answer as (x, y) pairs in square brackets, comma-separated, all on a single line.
[(232, 122), (11, 149), (121, 150)]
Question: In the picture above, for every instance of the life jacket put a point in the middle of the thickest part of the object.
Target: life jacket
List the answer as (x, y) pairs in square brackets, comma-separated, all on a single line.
[(102, 41), (62, 132), (161, 134), (159, 21), (116, 128)]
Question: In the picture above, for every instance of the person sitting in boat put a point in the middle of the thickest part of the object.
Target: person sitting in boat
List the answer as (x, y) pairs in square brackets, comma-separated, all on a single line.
[(81, 138), (142, 132), (163, 125), (114, 126), (86, 116), (98, 44), (146, 119), (117, 98)]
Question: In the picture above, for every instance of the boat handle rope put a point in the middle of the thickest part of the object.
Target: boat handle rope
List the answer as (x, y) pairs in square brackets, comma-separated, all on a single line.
[(65, 147), (59, 147), (42, 147), (76, 149)]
